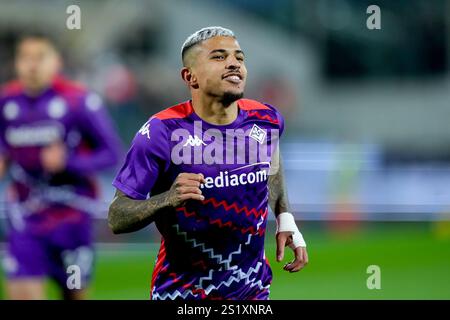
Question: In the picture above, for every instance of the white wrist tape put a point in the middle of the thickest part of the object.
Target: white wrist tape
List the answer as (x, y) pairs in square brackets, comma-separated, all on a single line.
[(286, 223)]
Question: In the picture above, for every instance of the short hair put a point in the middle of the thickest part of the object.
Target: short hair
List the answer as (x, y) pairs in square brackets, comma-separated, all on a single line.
[(204, 34)]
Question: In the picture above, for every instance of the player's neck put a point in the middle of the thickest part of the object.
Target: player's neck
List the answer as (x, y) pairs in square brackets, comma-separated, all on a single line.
[(214, 111), (34, 92)]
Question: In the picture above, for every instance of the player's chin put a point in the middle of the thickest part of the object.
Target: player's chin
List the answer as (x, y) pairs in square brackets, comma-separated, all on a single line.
[(231, 96), (33, 84)]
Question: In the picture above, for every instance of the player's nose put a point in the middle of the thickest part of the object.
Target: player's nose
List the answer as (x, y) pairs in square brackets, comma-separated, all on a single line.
[(233, 63)]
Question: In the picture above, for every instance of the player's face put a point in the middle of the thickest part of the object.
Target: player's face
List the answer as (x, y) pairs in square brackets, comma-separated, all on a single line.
[(220, 69), (37, 63)]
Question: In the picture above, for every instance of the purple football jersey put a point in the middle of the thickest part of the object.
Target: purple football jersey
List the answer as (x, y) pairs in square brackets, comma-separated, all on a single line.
[(64, 112), (210, 249), (48, 214)]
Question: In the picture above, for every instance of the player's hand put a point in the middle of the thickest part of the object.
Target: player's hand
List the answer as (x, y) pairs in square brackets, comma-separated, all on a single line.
[(301, 255), (186, 187), (54, 157)]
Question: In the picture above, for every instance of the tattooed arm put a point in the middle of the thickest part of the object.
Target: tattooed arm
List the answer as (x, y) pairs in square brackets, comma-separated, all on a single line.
[(278, 200), (128, 215), (279, 203)]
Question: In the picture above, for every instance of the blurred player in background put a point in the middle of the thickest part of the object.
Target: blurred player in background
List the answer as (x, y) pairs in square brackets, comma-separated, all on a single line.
[(55, 135), (211, 212)]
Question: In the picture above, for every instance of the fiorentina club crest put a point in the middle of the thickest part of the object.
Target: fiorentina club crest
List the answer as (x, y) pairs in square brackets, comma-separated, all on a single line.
[(258, 134)]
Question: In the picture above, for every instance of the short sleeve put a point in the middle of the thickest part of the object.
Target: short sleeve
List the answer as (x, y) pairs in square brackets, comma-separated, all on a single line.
[(96, 126), (147, 157), (279, 117)]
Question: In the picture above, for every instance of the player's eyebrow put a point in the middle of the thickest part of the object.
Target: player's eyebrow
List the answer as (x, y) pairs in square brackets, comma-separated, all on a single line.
[(224, 51)]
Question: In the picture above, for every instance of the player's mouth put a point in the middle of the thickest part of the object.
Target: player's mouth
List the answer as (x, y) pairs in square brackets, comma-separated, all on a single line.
[(233, 77)]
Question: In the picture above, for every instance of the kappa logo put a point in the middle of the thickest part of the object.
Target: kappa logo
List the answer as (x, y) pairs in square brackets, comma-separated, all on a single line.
[(194, 141), (230, 146), (145, 129), (258, 134)]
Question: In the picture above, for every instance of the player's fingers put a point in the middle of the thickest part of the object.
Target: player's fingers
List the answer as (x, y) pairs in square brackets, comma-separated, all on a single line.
[(191, 196), (299, 261), (186, 175), (189, 183), (202, 178), (299, 254), (192, 176), (299, 266), (294, 266), (305, 257), (281, 243), (185, 189), (181, 182)]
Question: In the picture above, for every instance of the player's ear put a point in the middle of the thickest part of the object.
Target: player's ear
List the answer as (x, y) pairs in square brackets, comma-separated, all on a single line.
[(189, 78)]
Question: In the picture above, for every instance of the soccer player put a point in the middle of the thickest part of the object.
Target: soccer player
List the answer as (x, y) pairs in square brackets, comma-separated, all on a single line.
[(54, 136), (211, 168)]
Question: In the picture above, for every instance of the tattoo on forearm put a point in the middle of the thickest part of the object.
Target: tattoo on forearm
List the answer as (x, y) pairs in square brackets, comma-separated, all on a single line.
[(278, 199), (128, 215)]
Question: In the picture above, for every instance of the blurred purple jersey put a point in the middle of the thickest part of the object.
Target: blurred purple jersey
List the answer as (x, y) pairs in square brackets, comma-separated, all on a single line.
[(210, 249), (48, 214), (64, 112)]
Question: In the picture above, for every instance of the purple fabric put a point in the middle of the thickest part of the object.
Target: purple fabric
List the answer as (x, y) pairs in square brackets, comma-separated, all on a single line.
[(47, 214), (97, 126), (63, 112), (212, 249), (47, 250)]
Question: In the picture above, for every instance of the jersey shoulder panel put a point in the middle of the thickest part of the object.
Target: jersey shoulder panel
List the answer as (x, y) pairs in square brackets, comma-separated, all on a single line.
[(156, 124), (179, 111), (249, 104), (12, 88), (75, 94), (64, 87), (153, 133), (262, 111)]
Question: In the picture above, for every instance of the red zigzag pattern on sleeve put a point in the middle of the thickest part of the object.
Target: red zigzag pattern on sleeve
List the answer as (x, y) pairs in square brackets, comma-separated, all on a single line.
[(262, 117)]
